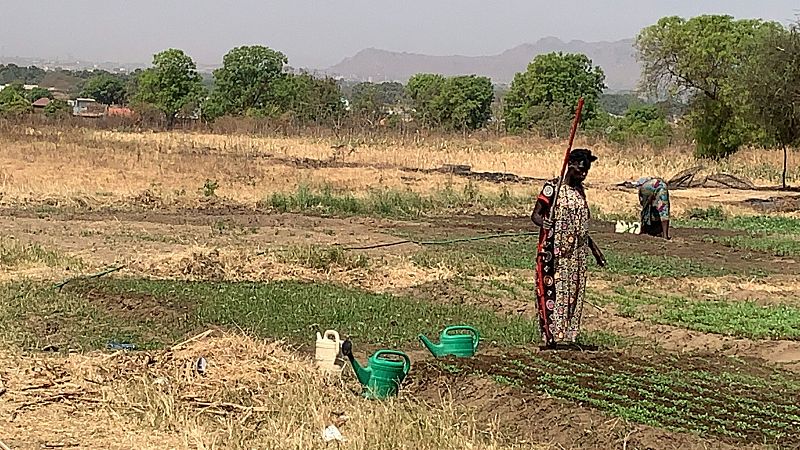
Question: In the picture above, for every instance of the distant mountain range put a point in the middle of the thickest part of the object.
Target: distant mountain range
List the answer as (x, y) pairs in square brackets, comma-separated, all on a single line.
[(617, 59)]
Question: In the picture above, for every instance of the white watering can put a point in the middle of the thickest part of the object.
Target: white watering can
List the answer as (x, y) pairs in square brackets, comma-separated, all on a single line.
[(626, 227), (327, 351)]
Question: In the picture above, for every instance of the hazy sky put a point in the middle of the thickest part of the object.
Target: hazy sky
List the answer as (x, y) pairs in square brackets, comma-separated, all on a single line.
[(316, 33)]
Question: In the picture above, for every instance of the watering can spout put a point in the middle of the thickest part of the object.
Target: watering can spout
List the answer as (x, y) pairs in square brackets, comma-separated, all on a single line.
[(362, 373), (436, 349)]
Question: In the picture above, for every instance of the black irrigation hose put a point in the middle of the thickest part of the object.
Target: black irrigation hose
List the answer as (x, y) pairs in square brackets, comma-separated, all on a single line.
[(443, 242)]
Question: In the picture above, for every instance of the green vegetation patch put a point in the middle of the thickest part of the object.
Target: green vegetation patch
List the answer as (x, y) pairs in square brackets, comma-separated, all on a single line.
[(773, 244), (151, 313), (481, 257), (15, 254), (774, 235), (740, 318), (37, 316), (683, 394), (714, 217)]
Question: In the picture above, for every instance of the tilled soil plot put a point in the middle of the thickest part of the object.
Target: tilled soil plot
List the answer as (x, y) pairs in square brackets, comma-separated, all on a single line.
[(731, 401), (688, 243)]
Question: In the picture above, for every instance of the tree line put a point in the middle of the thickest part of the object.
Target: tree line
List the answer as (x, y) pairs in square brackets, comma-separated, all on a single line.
[(729, 82), (254, 82)]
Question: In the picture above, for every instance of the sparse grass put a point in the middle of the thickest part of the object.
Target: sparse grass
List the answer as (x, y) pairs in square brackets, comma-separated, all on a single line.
[(324, 258), (754, 224), (773, 244), (740, 318), (36, 315), (600, 215), (144, 237), (503, 254), (775, 235), (711, 214), (386, 202), (249, 169), (661, 266), (480, 257), (15, 254)]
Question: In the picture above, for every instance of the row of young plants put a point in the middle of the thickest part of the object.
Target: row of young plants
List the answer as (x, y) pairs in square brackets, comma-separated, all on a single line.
[(694, 384), (682, 400)]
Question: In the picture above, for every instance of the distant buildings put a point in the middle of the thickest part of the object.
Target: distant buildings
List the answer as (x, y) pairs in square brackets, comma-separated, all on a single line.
[(87, 107), (27, 87)]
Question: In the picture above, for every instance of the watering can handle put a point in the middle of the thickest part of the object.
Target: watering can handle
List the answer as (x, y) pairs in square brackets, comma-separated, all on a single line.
[(476, 336), (331, 333), (407, 366)]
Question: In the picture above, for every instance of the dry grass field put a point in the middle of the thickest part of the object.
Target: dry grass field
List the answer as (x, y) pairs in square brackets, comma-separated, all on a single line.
[(692, 343)]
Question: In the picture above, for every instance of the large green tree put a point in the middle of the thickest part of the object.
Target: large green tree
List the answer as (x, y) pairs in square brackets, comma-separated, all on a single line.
[(246, 80), (422, 89), (13, 73), (373, 101), (455, 103), (36, 93), (642, 124), (550, 87), (13, 100), (107, 89), (618, 103), (697, 59), (172, 85), (464, 103), (770, 87), (305, 98)]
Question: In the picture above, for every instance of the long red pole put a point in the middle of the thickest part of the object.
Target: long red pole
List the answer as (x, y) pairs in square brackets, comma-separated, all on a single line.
[(574, 129)]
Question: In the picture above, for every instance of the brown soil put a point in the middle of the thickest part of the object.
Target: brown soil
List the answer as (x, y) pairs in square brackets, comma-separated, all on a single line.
[(775, 204), (336, 162), (687, 243), (207, 214), (530, 416), (133, 305), (675, 339)]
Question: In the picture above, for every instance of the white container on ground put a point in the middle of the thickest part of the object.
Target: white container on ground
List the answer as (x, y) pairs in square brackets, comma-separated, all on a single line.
[(627, 227), (327, 350)]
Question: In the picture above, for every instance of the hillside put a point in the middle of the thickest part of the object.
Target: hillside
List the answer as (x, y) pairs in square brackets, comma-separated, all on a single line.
[(616, 58)]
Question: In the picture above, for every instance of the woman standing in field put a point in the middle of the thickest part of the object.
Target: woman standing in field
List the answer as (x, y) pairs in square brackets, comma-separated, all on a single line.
[(562, 252)]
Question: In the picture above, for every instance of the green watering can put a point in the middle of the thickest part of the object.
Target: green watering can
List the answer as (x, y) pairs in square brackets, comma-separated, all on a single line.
[(460, 345), (381, 377)]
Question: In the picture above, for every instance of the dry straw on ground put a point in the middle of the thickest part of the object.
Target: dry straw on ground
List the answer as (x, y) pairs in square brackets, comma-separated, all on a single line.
[(387, 274), (76, 167), (253, 394)]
